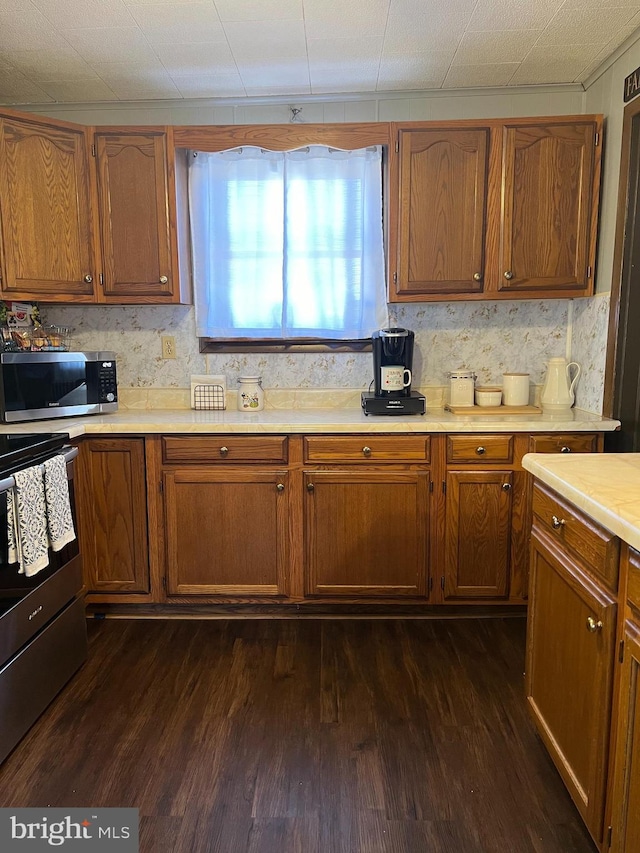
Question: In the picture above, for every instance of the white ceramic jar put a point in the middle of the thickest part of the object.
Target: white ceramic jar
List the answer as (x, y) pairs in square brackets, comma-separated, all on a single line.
[(461, 387), (250, 394)]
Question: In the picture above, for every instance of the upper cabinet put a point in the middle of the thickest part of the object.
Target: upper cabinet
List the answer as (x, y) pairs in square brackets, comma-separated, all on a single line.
[(45, 211), (495, 210), (136, 233)]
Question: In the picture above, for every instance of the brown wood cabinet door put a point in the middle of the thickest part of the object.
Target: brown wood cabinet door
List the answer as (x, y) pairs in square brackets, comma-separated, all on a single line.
[(133, 200), (548, 224), (443, 195), (366, 533), (478, 534), (226, 531), (45, 212), (570, 656), (113, 515), (625, 836)]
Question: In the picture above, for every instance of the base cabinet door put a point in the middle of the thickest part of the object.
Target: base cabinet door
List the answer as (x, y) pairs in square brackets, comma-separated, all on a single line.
[(226, 532), (113, 516), (366, 533), (570, 659), (625, 836), (478, 534)]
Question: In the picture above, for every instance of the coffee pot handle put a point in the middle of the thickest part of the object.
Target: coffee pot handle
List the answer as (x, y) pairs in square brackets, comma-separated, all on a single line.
[(575, 378)]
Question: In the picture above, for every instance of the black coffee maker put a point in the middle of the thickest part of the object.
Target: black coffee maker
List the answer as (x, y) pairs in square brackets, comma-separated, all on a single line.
[(392, 375)]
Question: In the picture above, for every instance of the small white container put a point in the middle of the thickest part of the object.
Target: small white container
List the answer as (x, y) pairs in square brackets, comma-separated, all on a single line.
[(461, 387), (488, 395), (515, 389), (250, 394)]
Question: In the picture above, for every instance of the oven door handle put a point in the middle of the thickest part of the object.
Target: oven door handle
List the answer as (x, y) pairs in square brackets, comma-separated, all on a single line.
[(6, 484), (69, 454)]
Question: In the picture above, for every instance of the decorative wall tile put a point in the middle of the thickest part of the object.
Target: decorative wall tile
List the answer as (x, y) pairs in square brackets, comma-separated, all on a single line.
[(589, 349)]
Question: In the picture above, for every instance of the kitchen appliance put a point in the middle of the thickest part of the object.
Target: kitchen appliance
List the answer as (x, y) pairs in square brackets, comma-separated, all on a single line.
[(43, 631), (36, 385), (392, 375), (557, 393)]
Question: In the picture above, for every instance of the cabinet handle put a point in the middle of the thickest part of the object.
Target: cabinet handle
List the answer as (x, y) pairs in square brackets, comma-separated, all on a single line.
[(280, 487), (565, 449), (163, 279), (224, 451), (557, 522), (366, 450), (508, 275), (593, 626), (477, 276), (310, 487), (88, 278), (480, 450), (506, 487)]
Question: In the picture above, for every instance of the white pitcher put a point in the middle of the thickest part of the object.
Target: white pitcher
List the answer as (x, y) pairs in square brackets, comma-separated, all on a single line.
[(557, 392)]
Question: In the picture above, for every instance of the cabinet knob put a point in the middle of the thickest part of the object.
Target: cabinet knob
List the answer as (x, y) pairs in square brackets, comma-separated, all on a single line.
[(557, 522), (310, 487), (280, 487), (163, 279), (565, 449), (508, 275), (366, 450), (506, 487), (593, 625), (88, 278), (481, 450), (224, 451), (477, 276)]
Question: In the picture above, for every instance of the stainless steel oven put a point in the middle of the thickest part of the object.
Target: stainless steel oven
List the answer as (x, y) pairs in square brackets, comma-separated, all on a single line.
[(43, 633)]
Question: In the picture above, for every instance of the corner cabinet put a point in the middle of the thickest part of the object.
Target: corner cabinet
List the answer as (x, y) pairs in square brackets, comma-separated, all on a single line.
[(45, 211), (137, 238), (490, 210)]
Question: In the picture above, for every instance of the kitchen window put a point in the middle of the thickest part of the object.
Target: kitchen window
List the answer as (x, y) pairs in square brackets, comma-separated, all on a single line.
[(287, 245)]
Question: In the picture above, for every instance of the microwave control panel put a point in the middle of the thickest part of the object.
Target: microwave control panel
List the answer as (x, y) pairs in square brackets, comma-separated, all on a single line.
[(107, 386)]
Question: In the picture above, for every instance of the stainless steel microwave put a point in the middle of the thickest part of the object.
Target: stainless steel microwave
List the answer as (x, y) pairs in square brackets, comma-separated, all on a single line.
[(39, 385)]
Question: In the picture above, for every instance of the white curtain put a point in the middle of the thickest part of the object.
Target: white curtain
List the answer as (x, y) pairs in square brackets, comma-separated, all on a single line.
[(287, 244)]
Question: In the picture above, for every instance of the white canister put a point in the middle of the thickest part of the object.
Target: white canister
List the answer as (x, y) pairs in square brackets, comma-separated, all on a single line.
[(461, 387), (515, 389), (250, 394)]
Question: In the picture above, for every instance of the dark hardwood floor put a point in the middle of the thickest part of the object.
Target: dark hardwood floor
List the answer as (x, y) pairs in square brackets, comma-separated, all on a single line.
[(303, 736)]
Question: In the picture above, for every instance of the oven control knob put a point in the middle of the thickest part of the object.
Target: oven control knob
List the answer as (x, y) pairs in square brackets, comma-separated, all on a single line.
[(110, 397)]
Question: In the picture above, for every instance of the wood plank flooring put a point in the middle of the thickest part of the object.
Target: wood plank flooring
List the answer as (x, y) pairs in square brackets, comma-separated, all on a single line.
[(303, 736)]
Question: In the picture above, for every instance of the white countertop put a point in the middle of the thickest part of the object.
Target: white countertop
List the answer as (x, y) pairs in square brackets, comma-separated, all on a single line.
[(310, 420), (606, 486)]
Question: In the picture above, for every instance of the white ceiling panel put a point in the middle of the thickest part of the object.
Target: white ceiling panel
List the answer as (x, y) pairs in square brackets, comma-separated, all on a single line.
[(131, 50)]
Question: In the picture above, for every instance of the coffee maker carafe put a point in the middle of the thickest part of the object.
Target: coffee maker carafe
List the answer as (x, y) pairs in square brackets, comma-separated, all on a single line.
[(392, 362), (392, 375)]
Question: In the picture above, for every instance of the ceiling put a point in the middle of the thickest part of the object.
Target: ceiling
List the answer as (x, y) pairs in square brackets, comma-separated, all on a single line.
[(78, 51)]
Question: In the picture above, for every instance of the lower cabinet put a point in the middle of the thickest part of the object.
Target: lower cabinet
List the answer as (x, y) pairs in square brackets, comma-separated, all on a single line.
[(478, 534), (112, 515), (569, 671), (366, 533), (226, 531)]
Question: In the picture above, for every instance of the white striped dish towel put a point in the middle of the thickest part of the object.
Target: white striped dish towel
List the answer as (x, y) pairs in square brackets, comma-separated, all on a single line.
[(27, 523), (58, 507)]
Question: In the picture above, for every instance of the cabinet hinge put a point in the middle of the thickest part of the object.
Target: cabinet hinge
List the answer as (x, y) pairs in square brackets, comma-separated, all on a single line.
[(93, 151), (430, 584), (397, 145), (161, 487), (621, 652), (164, 584), (442, 582), (444, 487), (609, 835), (431, 485), (588, 272), (395, 278), (597, 139), (101, 278)]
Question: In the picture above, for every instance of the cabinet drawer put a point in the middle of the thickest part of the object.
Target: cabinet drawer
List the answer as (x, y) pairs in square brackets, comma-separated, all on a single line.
[(367, 448), (479, 448), (587, 443), (633, 589), (225, 448), (597, 548)]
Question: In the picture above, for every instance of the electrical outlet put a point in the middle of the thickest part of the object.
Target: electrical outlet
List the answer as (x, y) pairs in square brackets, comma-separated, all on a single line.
[(168, 346)]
